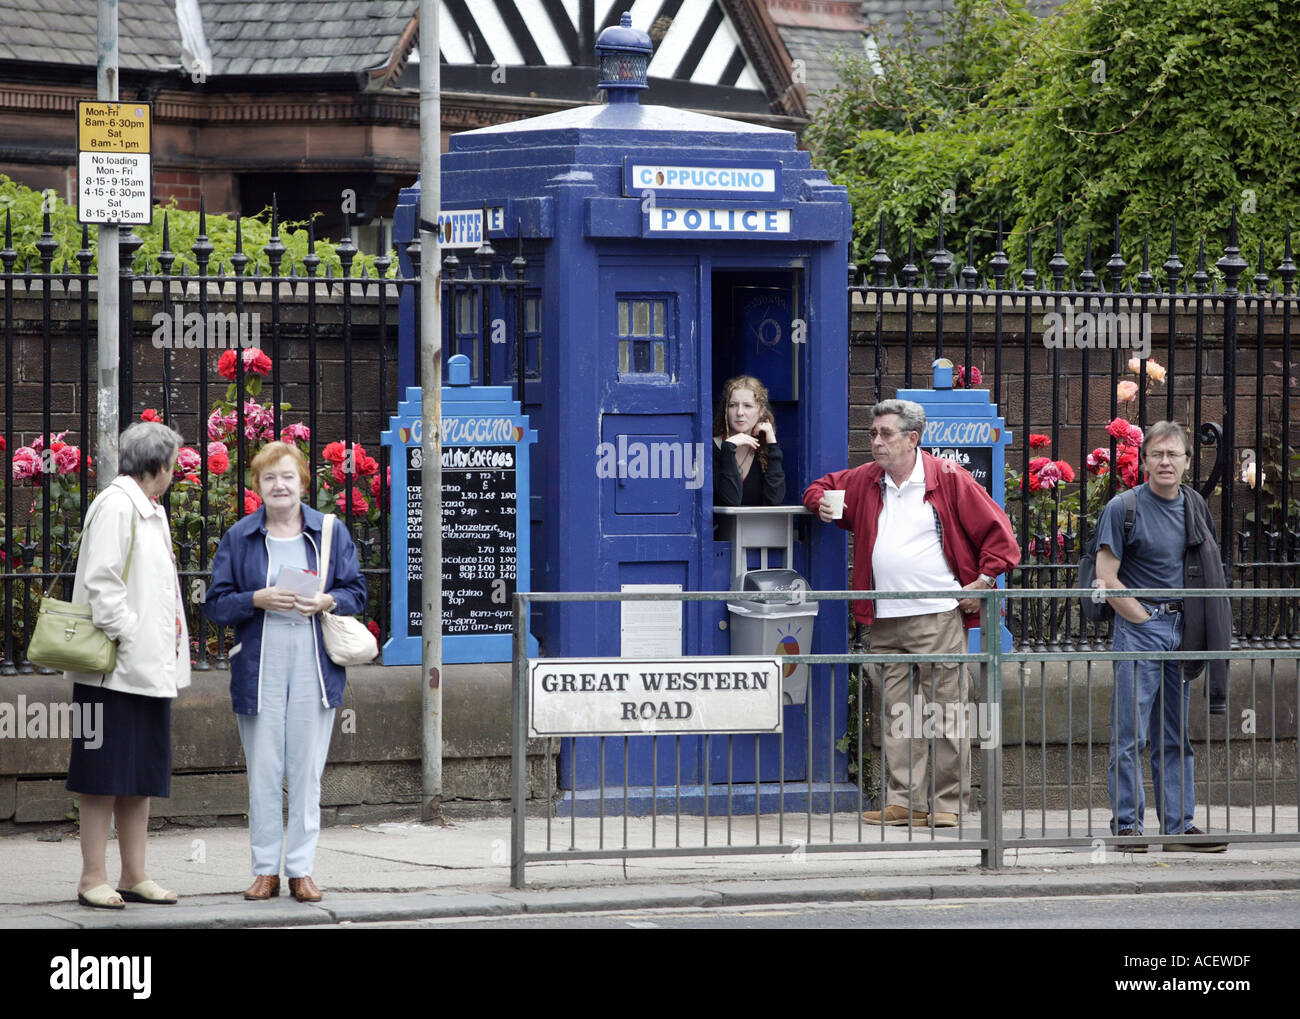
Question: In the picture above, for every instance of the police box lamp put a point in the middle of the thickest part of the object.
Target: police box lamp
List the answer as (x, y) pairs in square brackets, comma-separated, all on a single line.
[(624, 55), (942, 373)]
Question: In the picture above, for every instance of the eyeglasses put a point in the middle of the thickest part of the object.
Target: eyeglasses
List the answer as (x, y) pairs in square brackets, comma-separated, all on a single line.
[(1160, 455), (884, 433)]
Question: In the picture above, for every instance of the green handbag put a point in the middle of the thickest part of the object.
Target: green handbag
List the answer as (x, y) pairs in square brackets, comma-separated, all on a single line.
[(65, 636)]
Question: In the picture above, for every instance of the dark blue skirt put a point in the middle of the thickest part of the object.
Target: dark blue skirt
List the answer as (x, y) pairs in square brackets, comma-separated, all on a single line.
[(126, 749)]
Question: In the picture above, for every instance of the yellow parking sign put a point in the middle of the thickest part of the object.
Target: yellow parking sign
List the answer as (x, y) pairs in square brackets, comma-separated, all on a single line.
[(113, 127)]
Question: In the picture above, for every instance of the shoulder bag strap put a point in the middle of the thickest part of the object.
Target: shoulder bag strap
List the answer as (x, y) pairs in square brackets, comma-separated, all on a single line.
[(76, 548), (327, 541)]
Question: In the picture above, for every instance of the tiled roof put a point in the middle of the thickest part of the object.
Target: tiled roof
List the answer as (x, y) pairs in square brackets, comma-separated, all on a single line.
[(814, 46), (280, 37), (302, 36), (64, 32)]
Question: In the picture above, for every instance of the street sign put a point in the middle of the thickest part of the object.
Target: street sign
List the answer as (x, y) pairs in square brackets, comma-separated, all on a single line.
[(622, 696), (114, 168)]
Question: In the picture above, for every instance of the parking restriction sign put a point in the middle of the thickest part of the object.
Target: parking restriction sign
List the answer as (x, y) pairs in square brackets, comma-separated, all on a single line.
[(114, 169)]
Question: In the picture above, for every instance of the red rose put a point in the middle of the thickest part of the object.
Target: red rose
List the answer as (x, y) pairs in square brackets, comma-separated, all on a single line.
[(334, 452), (1067, 472), (218, 463), (194, 478), (1128, 466), (149, 414), (1034, 483), (3, 446), (226, 365), (1126, 433), (256, 363), (1039, 441), (251, 502), (1038, 463), (359, 504), (373, 627)]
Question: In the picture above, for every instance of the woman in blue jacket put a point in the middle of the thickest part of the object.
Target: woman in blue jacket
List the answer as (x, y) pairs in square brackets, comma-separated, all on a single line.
[(283, 685)]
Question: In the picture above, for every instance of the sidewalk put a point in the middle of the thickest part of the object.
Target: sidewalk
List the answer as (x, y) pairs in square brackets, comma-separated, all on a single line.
[(408, 870)]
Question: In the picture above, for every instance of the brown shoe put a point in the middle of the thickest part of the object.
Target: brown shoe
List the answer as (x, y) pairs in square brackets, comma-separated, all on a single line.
[(941, 820), (264, 886), (895, 815), (304, 889)]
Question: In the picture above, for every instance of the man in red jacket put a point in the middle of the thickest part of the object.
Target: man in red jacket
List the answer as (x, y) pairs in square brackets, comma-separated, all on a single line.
[(919, 524)]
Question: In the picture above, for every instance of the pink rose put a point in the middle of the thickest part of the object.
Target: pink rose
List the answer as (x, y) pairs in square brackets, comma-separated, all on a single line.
[(187, 460), (1049, 475), (67, 459), (27, 463), (297, 432), (220, 425)]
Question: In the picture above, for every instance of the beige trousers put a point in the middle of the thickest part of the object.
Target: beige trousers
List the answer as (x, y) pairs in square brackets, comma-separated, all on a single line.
[(925, 706)]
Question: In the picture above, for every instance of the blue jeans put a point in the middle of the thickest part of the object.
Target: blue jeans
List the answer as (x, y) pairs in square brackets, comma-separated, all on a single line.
[(1153, 703)]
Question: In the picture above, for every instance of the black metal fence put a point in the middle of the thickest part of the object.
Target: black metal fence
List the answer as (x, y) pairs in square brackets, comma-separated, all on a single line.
[(326, 379), (1072, 360)]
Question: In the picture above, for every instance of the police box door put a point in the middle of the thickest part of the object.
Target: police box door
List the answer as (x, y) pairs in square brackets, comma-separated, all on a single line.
[(653, 438)]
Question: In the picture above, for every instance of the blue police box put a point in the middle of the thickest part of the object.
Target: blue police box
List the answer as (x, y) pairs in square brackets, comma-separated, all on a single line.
[(667, 251)]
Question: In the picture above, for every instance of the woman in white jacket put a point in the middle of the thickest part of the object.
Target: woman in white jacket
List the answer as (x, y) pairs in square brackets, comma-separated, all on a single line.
[(126, 572)]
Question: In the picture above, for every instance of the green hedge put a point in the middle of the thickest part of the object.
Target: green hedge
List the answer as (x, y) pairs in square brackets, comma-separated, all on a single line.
[(25, 207)]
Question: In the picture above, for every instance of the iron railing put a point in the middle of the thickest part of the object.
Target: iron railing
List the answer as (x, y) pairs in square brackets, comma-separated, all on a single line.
[(332, 342), (1247, 775), (1225, 341)]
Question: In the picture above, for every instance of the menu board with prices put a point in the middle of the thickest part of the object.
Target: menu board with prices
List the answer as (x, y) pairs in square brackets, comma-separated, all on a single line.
[(485, 533), (479, 561)]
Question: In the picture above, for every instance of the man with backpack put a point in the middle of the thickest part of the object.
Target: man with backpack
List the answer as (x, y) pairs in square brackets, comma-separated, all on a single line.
[(1169, 538)]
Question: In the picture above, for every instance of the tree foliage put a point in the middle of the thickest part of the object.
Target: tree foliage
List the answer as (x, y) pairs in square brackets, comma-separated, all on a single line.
[(1184, 110), (25, 209)]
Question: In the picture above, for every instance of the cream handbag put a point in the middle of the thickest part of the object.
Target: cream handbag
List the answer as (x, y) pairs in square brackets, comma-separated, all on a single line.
[(347, 641)]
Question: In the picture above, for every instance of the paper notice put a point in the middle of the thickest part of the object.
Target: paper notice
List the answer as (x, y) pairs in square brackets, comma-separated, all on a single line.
[(651, 629)]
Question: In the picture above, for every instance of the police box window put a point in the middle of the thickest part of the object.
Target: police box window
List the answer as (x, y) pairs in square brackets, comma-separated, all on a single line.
[(644, 334), (532, 339), (465, 329)]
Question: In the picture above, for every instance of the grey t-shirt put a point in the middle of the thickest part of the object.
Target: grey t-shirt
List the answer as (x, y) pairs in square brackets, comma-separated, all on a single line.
[(1153, 554)]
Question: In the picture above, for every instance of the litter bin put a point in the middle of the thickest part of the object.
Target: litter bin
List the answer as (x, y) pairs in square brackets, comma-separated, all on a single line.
[(775, 628)]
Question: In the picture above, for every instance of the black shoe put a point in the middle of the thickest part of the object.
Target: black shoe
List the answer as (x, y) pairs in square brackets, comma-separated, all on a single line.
[(1132, 847), (1195, 847)]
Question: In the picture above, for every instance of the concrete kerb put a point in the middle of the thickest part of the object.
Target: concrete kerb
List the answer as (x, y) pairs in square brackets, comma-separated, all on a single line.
[(386, 875)]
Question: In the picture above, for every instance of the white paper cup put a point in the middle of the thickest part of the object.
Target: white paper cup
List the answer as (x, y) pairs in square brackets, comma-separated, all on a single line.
[(836, 499)]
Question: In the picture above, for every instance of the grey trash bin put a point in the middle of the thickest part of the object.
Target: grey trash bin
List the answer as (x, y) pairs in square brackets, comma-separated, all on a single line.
[(773, 628)]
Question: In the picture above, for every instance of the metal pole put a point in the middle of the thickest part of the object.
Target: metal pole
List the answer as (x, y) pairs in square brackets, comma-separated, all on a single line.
[(108, 307), (431, 376), (519, 745), (991, 766)]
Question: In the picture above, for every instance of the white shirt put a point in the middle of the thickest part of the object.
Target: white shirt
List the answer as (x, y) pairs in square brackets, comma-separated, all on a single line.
[(908, 555), (141, 613)]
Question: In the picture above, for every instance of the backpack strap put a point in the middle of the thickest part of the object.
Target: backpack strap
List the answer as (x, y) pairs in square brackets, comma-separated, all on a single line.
[(1129, 495)]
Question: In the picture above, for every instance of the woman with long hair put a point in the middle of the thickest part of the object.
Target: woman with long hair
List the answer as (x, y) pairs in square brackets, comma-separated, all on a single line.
[(747, 468)]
